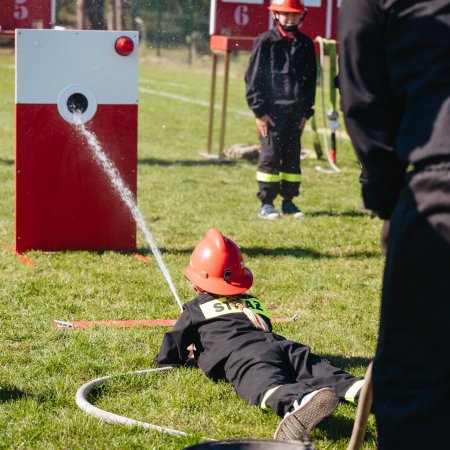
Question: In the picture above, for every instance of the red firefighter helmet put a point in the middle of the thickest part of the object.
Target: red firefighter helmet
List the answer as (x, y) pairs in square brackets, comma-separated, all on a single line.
[(217, 266), (288, 6)]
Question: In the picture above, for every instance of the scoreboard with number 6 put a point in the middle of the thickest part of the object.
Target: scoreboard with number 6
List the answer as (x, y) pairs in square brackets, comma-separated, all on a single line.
[(251, 17)]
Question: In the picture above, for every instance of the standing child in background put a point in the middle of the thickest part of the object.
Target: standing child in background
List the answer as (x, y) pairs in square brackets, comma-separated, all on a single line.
[(280, 90), (232, 339)]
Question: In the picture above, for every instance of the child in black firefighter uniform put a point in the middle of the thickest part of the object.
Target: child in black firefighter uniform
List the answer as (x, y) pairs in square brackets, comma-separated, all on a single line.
[(280, 90), (232, 339)]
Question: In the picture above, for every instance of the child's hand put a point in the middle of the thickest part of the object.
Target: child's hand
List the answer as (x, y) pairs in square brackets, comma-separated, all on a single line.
[(191, 350), (302, 124), (262, 124)]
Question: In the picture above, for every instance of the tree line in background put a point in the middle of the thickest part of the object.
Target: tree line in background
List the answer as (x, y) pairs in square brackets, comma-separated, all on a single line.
[(160, 22)]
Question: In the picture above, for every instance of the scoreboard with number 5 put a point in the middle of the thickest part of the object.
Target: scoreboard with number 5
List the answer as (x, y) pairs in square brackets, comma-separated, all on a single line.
[(26, 14)]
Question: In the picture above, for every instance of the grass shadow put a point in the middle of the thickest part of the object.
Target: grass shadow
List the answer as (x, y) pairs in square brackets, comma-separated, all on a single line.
[(347, 362), (96, 392), (298, 252), (305, 253), (12, 394), (337, 427), (349, 213), (185, 162)]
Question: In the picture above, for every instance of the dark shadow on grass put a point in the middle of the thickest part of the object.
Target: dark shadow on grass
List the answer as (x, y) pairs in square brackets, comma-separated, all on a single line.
[(298, 252), (349, 213), (184, 162), (96, 393), (301, 252), (347, 363), (12, 394), (338, 427), (7, 162)]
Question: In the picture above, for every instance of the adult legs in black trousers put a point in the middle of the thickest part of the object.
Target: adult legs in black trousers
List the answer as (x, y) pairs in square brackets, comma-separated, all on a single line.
[(411, 372)]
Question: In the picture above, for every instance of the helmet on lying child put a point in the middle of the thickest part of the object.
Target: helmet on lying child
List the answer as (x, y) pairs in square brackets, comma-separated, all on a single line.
[(287, 6), (217, 266)]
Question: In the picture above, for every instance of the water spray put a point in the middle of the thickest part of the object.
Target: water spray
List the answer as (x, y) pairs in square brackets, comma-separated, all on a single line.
[(126, 195), (128, 198)]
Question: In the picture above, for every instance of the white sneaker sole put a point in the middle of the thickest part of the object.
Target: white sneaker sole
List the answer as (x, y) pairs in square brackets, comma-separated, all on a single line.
[(296, 215), (272, 216), (298, 424)]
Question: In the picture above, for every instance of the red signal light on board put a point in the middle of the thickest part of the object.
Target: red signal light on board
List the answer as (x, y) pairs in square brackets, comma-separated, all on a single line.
[(124, 45)]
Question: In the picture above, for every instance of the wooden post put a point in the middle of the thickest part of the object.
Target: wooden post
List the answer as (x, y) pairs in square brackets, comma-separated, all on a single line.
[(119, 15), (212, 97), (224, 103), (222, 45), (81, 21)]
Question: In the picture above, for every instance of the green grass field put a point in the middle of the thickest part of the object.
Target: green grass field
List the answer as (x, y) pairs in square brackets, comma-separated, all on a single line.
[(326, 268)]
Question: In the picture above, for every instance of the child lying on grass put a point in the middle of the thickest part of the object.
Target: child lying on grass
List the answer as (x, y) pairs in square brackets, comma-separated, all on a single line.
[(231, 338)]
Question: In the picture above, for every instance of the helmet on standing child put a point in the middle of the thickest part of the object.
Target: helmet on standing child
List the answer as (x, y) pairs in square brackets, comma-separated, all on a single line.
[(217, 266), (287, 6)]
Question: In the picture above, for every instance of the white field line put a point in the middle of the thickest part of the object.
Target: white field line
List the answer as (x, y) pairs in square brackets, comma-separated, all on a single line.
[(193, 101), (240, 112)]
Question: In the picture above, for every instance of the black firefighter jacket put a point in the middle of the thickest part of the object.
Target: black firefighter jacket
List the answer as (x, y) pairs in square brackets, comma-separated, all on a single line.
[(221, 333), (394, 78), (281, 73)]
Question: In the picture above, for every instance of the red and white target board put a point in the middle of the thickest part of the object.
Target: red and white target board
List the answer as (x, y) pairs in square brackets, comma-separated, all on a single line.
[(251, 18), (26, 14), (321, 19), (64, 200)]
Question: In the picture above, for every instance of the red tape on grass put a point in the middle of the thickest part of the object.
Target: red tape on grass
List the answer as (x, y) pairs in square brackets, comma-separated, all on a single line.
[(115, 323), (21, 256), (133, 323), (142, 258)]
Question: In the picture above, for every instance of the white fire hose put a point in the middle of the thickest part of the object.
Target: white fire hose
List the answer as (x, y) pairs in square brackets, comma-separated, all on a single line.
[(83, 394)]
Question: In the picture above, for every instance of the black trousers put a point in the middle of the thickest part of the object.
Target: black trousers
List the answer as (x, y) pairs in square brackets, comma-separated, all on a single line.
[(411, 372), (290, 365), (280, 154)]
